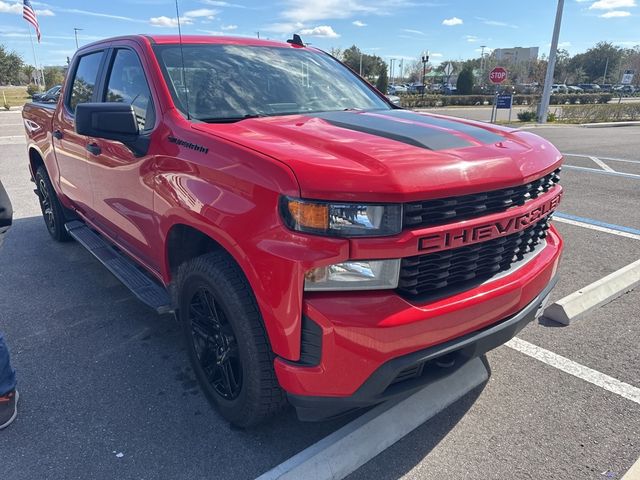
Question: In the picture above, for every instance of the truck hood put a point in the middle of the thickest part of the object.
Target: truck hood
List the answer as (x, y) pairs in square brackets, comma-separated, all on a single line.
[(393, 155)]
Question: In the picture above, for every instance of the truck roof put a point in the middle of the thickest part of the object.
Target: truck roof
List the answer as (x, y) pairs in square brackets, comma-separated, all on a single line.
[(194, 39)]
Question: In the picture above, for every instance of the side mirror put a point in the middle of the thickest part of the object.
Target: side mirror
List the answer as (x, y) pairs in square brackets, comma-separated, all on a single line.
[(111, 121)]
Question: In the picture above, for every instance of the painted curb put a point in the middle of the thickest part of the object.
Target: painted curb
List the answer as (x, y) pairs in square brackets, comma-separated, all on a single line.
[(592, 296), (634, 472), (340, 453), (610, 124)]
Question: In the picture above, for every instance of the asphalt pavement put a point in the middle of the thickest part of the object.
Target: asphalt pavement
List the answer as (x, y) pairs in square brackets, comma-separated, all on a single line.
[(107, 392)]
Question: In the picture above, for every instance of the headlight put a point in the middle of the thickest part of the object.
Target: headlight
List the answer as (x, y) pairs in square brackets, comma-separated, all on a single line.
[(342, 219), (354, 275)]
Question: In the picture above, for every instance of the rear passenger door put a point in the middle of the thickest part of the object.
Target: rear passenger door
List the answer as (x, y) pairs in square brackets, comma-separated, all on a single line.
[(122, 182), (71, 148)]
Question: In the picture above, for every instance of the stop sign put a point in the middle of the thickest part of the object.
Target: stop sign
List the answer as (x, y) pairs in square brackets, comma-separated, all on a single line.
[(498, 75)]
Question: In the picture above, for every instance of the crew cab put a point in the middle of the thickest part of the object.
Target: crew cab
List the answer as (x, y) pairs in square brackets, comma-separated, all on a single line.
[(318, 245)]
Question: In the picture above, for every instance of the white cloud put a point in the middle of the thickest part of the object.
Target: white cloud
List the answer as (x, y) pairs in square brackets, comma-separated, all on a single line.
[(616, 14), (283, 28), (315, 10), (216, 33), (167, 22), (417, 32), (98, 14), (359, 23), (216, 3), (229, 27), (450, 22), (324, 31), (496, 23), (202, 12), (436, 55), (612, 4), (6, 7), (471, 38)]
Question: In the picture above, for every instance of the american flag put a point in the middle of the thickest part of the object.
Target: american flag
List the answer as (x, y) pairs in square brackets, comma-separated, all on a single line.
[(29, 14)]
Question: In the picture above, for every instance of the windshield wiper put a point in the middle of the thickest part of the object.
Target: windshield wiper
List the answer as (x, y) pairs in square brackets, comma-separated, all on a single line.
[(231, 119)]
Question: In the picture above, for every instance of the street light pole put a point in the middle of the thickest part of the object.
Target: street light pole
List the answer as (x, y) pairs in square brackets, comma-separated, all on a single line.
[(543, 110), (75, 32), (425, 60)]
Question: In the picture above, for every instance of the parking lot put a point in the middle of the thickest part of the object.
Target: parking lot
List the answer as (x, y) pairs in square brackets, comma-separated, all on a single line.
[(107, 392)]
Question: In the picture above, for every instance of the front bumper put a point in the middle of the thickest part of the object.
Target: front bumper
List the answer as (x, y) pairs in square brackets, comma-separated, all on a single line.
[(408, 373), (358, 333)]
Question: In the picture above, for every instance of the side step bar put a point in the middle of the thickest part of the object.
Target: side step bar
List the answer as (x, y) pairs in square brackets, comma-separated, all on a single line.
[(147, 290)]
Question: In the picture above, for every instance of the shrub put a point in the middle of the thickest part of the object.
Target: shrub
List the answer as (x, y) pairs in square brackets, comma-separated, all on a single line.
[(594, 113), (430, 100), (527, 116), (32, 88)]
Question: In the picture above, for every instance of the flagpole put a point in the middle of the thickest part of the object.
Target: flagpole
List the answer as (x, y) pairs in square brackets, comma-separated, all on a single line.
[(35, 57)]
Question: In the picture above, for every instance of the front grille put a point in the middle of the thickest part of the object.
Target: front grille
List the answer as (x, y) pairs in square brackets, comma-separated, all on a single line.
[(445, 210), (445, 273)]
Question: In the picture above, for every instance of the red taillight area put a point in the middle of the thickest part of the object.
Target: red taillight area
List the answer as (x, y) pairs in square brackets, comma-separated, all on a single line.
[(362, 331)]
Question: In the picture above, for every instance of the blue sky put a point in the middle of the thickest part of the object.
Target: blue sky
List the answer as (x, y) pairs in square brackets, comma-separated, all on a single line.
[(389, 28)]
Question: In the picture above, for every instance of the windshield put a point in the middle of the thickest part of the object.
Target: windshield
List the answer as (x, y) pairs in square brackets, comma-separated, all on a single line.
[(232, 82)]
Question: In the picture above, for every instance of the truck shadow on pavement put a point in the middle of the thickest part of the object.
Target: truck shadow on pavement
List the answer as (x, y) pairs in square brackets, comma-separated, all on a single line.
[(106, 387)]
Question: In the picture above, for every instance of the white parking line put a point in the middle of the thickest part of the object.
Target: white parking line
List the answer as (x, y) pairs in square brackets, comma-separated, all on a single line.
[(602, 165), (601, 172), (12, 140), (587, 374), (597, 228), (613, 159)]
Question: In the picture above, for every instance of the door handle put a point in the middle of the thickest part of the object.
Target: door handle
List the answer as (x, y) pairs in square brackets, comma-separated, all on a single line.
[(94, 149), (58, 134)]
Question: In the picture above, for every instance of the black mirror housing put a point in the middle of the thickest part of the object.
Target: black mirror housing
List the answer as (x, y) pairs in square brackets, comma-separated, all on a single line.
[(111, 121)]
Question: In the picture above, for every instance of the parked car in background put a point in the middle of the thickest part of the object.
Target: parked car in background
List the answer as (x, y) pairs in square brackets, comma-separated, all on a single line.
[(449, 90), (559, 88), (394, 99), (50, 95), (416, 88), (574, 89), (395, 89), (590, 87), (624, 89), (606, 87)]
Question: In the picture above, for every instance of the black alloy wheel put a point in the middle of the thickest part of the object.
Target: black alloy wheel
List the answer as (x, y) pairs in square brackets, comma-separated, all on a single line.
[(215, 344)]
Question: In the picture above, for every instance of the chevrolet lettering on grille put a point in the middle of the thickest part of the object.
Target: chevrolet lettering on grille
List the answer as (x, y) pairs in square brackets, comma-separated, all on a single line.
[(481, 233)]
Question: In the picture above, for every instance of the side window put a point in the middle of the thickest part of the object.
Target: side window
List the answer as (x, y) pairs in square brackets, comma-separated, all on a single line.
[(127, 83), (85, 79)]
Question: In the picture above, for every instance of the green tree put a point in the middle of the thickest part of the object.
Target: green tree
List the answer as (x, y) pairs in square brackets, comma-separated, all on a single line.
[(593, 62), (53, 76), (10, 67), (465, 81), (382, 83), (371, 64)]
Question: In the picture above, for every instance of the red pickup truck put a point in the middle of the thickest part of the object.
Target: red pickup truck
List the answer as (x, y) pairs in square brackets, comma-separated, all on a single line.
[(318, 245)]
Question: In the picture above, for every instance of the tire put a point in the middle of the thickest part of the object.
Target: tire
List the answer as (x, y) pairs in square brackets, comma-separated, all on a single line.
[(52, 211), (226, 340)]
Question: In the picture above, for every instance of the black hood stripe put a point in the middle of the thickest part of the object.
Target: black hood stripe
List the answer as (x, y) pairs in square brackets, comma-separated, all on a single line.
[(389, 124), (477, 133)]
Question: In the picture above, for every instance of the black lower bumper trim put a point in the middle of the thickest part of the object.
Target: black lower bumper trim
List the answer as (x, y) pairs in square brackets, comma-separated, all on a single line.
[(404, 375)]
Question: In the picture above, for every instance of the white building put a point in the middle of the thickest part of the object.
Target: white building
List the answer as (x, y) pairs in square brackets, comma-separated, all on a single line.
[(516, 54)]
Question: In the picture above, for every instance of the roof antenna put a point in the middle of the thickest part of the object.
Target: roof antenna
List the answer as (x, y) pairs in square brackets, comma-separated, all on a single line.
[(184, 77), (296, 40)]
